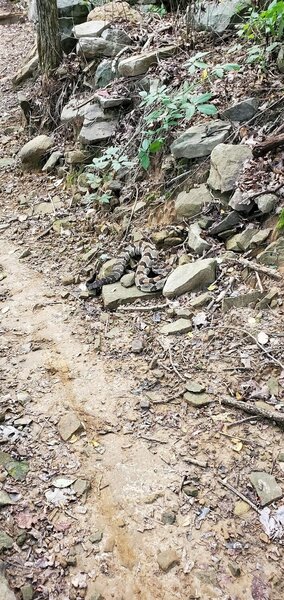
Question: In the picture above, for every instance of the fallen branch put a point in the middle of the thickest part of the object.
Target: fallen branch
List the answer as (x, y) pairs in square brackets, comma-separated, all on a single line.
[(259, 268), (143, 308), (194, 461), (252, 409), (239, 494), (267, 145), (240, 421)]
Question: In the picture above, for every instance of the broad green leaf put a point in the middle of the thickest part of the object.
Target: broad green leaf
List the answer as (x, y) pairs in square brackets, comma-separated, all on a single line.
[(156, 146), (144, 160), (145, 144), (231, 67), (202, 98), (218, 72), (190, 110), (201, 65), (207, 109)]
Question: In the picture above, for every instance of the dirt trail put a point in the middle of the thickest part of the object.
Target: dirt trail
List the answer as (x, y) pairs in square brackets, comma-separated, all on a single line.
[(126, 473)]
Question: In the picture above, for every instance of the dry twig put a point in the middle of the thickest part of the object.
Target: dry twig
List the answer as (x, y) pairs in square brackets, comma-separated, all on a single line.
[(239, 494), (271, 415)]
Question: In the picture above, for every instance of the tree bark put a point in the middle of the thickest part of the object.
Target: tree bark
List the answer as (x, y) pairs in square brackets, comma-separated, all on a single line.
[(49, 43)]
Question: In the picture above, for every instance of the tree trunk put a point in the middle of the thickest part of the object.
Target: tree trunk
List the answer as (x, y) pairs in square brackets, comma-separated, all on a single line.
[(49, 43)]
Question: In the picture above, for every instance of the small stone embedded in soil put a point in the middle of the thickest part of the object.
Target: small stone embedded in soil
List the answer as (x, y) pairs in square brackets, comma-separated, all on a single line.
[(137, 345), (5, 499), (67, 280), (168, 517), (273, 386), (177, 327), (266, 487), (241, 508), (109, 544), (6, 541), (167, 559), (5, 592), (190, 490), (17, 469), (280, 457), (145, 404), (27, 592), (194, 387), (81, 486), (197, 399), (96, 537), (68, 425), (235, 569), (27, 252)]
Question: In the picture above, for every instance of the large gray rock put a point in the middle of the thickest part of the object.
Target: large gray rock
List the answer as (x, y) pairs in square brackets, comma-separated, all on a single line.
[(97, 132), (241, 111), (26, 71), (229, 222), (190, 277), (90, 29), (195, 242), (273, 255), (94, 47), (217, 15), (115, 294), (176, 327), (138, 64), (200, 140), (75, 9), (68, 425), (75, 112), (114, 11), (241, 202), (266, 203), (117, 36), (266, 487), (70, 13), (242, 300), (227, 163), (247, 239), (189, 204), (5, 592), (34, 151), (104, 74)]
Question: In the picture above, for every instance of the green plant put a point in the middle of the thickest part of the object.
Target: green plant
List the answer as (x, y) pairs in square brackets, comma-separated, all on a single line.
[(112, 160), (158, 10), (98, 175), (168, 110), (260, 55), (280, 222), (265, 24), (195, 64)]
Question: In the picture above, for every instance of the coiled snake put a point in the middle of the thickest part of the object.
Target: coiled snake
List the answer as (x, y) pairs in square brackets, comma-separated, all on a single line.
[(150, 275)]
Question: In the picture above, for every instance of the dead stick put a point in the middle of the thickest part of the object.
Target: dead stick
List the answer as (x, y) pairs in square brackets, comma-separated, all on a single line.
[(142, 308), (259, 269), (173, 366), (239, 494), (195, 461), (150, 439), (240, 421), (254, 410)]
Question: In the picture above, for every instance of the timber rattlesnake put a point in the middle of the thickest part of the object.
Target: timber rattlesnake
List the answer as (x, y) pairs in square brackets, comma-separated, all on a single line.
[(150, 276)]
